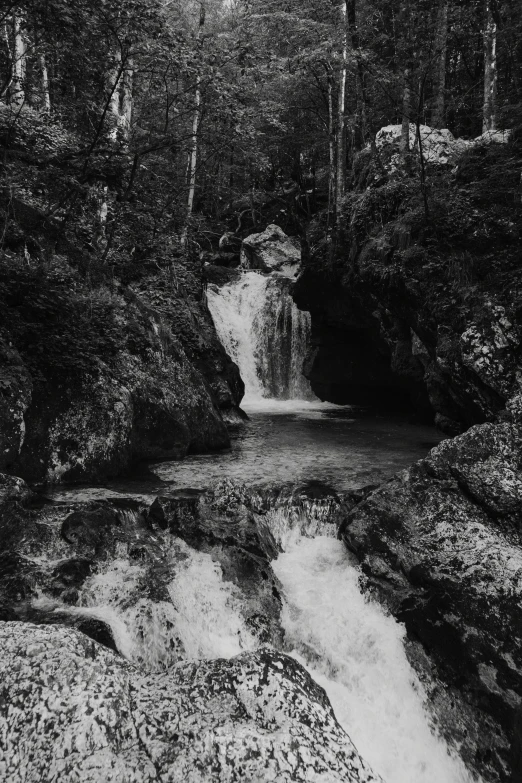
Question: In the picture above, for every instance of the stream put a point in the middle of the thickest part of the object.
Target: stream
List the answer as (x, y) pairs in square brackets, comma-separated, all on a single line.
[(349, 644)]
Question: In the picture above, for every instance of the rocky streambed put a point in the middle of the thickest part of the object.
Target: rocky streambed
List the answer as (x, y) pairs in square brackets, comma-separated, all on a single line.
[(296, 633), (206, 635)]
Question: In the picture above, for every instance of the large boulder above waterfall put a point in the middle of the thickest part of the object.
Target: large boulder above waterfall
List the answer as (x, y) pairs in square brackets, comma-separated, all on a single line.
[(72, 710), (439, 146), (270, 251), (441, 544)]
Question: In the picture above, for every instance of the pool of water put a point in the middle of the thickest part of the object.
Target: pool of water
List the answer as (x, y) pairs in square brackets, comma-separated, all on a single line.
[(285, 443)]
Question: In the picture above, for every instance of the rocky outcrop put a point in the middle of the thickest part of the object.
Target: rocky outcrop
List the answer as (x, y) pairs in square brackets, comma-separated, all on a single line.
[(439, 146), (270, 251), (71, 709), (420, 301), (108, 354), (58, 565), (181, 304), (155, 406), (441, 544), (83, 396)]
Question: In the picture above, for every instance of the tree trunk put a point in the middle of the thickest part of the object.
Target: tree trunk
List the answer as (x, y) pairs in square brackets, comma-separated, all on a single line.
[(126, 108), (193, 150), (331, 145), (341, 116), (7, 84), (441, 47), (406, 112), (46, 97), (114, 92), (355, 42), (490, 70), (18, 82)]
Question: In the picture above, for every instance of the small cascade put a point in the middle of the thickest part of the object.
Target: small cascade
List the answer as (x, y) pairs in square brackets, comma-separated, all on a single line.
[(192, 613), (165, 602), (264, 332), (355, 651)]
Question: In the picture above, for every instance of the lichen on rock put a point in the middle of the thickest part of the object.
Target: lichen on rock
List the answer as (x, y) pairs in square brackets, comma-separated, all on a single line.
[(441, 545), (71, 709)]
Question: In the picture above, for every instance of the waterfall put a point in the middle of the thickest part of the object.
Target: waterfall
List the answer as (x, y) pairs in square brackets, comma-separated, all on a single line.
[(264, 332), (184, 607), (355, 651)]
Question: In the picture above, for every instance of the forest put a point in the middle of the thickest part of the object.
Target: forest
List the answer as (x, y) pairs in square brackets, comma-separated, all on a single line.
[(261, 391), (145, 123)]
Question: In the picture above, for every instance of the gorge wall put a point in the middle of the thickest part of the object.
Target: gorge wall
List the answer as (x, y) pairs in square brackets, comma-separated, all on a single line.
[(101, 364), (424, 309)]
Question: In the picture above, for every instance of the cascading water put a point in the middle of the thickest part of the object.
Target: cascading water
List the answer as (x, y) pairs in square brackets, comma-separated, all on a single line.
[(265, 333), (350, 646)]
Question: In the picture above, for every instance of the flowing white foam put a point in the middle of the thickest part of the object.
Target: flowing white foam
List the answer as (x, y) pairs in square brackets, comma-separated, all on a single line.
[(356, 652), (178, 607), (196, 615), (235, 309), (264, 332), (209, 610)]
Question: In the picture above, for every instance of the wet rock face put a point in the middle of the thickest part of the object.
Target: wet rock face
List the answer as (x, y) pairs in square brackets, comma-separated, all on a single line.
[(87, 715), (141, 562), (270, 251), (407, 344), (151, 406), (353, 359), (160, 385), (428, 313), (441, 544), (183, 308), (15, 397)]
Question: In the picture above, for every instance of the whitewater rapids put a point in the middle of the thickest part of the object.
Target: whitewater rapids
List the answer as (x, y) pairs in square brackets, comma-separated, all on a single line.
[(350, 646), (264, 332)]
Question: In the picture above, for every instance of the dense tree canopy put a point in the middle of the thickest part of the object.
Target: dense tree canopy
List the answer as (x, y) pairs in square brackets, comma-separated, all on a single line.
[(153, 121)]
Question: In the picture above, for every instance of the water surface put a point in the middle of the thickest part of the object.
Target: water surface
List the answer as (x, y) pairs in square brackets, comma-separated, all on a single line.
[(290, 442)]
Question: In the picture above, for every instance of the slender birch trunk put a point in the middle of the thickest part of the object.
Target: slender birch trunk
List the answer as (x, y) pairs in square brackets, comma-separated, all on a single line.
[(406, 112), (441, 48), (127, 99), (355, 43), (114, 81), (8, 83), (44, 75), (331, 143), (490, 71), (341, 117), (19, 54), (193, 150)]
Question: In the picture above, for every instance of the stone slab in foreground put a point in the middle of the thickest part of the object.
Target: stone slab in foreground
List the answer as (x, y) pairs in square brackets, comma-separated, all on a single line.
[(72, 710)]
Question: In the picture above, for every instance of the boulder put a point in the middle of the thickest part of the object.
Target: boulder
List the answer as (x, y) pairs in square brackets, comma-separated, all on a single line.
[(13, 488), (148, 403), (271, 251), (441, 544), (71, 709), (439, 146)]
